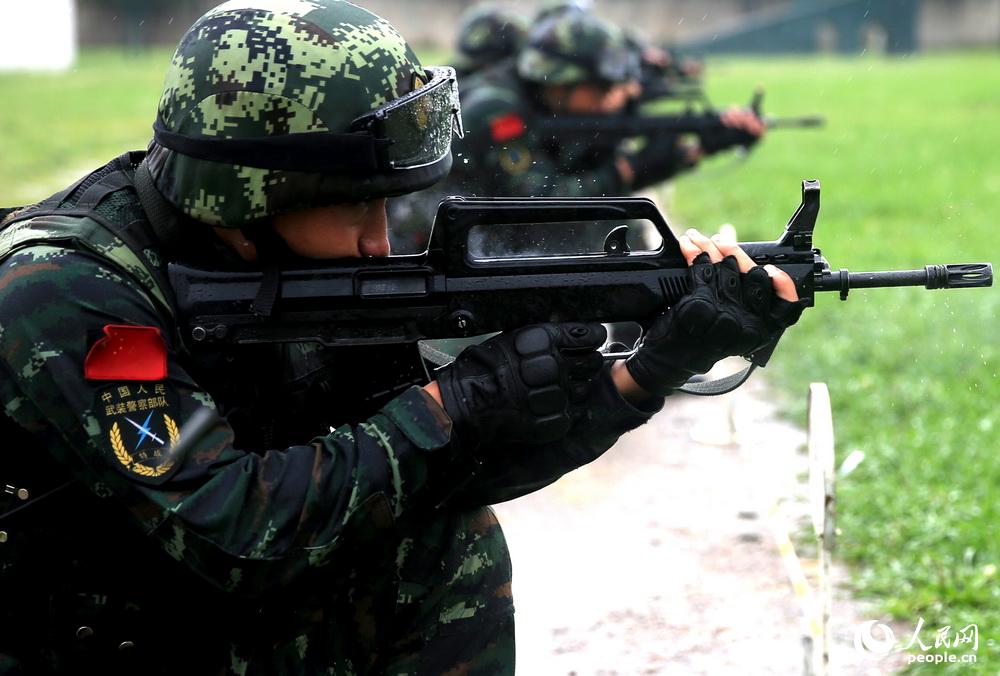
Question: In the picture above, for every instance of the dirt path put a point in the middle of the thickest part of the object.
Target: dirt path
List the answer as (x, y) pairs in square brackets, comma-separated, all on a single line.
[(658, 558)]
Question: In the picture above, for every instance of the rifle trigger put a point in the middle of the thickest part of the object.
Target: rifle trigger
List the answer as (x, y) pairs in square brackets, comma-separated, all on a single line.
[(617, 356)]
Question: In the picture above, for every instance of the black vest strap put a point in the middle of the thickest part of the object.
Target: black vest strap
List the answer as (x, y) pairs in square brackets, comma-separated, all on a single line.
[(162, 216), (137, 234)]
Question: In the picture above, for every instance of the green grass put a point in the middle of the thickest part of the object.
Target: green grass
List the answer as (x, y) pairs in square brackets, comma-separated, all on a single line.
[(910, 176), (54, 128)]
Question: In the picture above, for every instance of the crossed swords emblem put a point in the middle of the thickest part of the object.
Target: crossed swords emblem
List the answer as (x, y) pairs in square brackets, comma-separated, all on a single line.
[(144, 431)]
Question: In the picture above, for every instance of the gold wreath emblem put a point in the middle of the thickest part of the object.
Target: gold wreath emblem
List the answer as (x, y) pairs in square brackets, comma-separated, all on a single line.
[(515, 161), (126, 459)]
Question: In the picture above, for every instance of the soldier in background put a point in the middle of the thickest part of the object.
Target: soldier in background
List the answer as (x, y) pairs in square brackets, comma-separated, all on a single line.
[(550, 8), (488, 35), (573, 64)]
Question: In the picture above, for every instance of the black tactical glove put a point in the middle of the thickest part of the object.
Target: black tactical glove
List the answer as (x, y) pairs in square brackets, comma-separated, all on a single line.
[(518, 386), (725, 138), (661, 158), (726, 313)]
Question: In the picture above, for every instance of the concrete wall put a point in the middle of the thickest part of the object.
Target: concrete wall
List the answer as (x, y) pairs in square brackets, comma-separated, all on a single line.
[(942, 23), (945, 23), (45, 37)]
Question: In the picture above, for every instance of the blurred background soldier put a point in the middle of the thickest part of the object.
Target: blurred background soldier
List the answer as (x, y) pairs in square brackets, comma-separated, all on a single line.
[(551, 8), (573, 64), (488, 35)]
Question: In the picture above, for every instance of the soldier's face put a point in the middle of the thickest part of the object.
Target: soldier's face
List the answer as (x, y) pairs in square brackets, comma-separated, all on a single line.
[(337, 231), (593, 99)]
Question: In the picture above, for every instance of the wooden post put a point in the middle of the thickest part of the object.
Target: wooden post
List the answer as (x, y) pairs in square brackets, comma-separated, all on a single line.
[(821, 490)]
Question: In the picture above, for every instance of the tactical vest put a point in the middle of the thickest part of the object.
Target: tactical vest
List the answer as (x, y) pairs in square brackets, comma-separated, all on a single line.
[(63, 612), (100, 213)]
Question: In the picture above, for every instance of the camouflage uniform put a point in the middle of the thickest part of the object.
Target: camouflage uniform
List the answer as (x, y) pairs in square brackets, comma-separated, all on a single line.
[(503, 155), (251, 553)]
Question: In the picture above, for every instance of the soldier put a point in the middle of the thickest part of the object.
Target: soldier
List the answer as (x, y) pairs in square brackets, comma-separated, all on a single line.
[(486, 36), (574, 63), (309, 531)]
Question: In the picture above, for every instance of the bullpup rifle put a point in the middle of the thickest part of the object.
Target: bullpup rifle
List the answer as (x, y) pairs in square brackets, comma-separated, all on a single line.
[(451, 291)]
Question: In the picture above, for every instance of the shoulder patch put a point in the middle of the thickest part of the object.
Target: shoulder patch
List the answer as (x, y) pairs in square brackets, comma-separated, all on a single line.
[(127, 353), (515, 160), (140, 429), (507, 127)]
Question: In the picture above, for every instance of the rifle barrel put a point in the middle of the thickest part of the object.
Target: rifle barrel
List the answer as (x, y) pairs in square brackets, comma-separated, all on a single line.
[(957, 276), (651, 125), (806, 122)]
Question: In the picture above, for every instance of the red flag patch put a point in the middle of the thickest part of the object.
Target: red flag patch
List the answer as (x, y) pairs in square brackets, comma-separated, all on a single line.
[(128, 353), (508, 127)]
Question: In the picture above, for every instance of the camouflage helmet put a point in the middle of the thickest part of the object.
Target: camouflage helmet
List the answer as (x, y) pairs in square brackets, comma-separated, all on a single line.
[(272, 106), (574, 47), (487, 34), (551, 8)]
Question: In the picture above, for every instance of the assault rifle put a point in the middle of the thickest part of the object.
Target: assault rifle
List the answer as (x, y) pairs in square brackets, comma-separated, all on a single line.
[(462, 287), (704, 122)]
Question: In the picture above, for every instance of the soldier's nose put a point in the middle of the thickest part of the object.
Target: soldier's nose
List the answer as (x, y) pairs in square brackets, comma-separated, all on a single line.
[(374, 246), (374, 240)]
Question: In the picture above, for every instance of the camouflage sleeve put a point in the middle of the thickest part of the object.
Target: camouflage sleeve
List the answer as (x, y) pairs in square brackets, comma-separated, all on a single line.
[(518, 470), (501, 156), (520, 167), (245, 521)]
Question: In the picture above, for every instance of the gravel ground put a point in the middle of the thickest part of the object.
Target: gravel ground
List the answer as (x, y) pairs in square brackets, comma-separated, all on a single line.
[(659, 558)]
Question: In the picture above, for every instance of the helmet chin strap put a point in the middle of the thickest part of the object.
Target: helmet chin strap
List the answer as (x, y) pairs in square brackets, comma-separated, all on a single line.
[(162, 216), (272, 250)]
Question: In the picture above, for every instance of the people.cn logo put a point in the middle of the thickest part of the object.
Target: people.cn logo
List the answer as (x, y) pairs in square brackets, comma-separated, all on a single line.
[(874, 637)]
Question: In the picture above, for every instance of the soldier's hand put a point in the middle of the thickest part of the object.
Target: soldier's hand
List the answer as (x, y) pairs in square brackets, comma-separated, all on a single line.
[(520, 386), (692, 68), (734, 308), (740, 128)]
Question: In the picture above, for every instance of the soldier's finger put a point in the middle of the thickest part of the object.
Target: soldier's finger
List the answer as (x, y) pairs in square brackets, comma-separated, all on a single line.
[(755, 125), (729, 247), (705, 244), (689, 249), (783, 284)]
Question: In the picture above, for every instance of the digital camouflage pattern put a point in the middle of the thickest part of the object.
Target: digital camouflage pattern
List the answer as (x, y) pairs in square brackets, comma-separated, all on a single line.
[(571, 47), (252, 523), (486, 35), (321, 557), (268, 68)]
